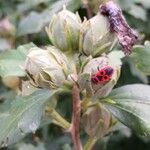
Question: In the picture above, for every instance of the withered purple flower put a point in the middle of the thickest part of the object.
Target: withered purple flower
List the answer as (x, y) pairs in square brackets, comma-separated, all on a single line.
[(126, 36)]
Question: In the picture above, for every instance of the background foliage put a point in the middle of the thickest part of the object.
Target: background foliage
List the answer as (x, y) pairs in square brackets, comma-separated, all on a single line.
[(23, 21)]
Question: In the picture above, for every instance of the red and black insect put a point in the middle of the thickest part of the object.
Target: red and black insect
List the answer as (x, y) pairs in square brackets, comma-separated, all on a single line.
[(103, 75)]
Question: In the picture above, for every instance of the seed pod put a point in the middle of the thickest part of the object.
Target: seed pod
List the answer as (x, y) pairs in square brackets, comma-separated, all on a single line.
[(47, 68), (95, 36), (97, 121), (101, 87), (64, 29)]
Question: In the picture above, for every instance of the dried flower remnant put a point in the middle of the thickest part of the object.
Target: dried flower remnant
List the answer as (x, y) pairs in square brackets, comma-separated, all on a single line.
[(126, 36)]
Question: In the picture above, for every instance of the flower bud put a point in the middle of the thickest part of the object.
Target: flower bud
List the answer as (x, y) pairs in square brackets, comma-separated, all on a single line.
[(97, 121), (95, 36), (47, 68), (92, 78), (64, 30)]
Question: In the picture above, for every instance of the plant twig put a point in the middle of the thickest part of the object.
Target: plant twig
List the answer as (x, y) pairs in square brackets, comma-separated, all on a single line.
[(57, 118), (88, 9), (90, 143), (75, 124)]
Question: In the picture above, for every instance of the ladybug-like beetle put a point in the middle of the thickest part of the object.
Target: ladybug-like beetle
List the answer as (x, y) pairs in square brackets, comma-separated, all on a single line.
[(103, 75)]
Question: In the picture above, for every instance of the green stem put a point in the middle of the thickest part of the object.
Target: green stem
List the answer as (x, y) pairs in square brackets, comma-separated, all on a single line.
[(90, 143), (85, 103), (57, 118)]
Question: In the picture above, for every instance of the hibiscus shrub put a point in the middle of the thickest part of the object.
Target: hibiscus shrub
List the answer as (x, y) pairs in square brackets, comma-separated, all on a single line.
[(78, 69)]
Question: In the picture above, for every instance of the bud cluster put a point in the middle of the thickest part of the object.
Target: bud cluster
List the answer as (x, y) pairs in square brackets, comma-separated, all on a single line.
[(80, 54)]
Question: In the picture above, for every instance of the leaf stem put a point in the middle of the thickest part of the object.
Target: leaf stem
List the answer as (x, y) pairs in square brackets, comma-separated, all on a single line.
[(75, 123), (90, 143), (57, 118)]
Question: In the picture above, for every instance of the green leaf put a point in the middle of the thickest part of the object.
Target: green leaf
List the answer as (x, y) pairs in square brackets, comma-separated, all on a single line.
[(141, 57), (11, 62), (6, 99), (136, 73), (116, 57), (28, 4), (24, 146), (131, 105), (33, 23), (145, 3), (141, 12), (24, 116)]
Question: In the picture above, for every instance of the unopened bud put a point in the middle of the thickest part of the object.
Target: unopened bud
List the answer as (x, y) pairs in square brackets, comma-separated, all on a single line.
[(100, 75), (95, 36), (47, 68), (64, 30), (97, 121)]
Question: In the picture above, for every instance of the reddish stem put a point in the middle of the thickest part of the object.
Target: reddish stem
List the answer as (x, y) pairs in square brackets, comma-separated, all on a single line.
[(88, 9), (75, 124)]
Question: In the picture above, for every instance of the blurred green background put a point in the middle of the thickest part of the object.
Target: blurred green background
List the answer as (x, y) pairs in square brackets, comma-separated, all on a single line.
[(23, 21)]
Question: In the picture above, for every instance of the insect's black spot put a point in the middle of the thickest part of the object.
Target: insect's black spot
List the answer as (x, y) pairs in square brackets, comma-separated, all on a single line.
[(102, 72), (106, 77), (109, 71), (99, 78), (94, 80)]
